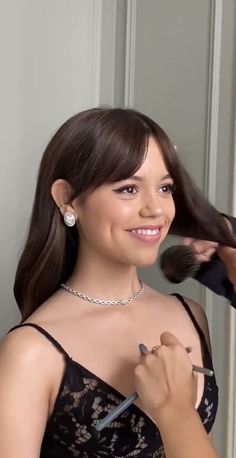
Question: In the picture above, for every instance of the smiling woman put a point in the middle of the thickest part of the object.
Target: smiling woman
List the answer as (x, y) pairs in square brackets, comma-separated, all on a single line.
[(129, 213), (94, 148), (110, 188)]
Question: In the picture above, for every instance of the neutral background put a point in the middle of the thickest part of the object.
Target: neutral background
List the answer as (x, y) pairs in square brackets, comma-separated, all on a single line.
[(173, 60)]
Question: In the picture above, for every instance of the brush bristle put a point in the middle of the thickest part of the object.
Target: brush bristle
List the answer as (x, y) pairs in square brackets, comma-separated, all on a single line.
[(179, 262)]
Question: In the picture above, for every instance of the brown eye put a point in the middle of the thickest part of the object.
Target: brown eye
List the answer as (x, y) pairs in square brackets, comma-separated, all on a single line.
[(127, 190), (167, 188)]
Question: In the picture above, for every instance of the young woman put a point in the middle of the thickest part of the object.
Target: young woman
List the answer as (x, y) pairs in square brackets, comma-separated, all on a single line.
[(109, 189)]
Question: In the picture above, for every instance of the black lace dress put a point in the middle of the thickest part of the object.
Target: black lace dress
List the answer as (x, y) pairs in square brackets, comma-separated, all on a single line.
[(84, 399)]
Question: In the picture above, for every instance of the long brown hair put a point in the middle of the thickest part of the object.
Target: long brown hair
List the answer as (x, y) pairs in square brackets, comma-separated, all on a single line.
[(94, 147)]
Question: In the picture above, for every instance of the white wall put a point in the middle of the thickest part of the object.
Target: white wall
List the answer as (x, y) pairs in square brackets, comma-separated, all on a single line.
[(181, 71), (58, 57), (49, 71)]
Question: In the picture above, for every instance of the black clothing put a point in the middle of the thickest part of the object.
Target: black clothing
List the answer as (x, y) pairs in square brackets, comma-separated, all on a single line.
[(214, 276), (84, 399)]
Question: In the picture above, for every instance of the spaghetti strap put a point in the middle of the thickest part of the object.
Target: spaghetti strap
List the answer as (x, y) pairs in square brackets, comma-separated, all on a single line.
[(190, 313), (46, 334)]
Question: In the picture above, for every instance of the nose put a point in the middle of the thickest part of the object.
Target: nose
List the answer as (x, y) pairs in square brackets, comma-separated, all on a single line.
[(151, 207)]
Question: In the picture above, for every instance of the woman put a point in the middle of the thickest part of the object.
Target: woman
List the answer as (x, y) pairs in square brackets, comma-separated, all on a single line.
[(104, 202)]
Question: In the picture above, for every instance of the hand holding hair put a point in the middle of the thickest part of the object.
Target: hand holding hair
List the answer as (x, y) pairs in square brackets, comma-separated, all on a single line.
[(179, 262), (228, 256), (193, 259), (203, 249)]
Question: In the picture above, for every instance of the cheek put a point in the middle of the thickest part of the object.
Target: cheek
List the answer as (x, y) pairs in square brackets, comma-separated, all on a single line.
[(170, 210), (116, 214), (104, 217)]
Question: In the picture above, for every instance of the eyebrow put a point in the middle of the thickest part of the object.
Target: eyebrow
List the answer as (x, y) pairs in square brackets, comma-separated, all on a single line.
[(138, 178)]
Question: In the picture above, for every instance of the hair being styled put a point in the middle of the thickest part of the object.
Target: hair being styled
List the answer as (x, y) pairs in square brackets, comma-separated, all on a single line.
[(94, 147)]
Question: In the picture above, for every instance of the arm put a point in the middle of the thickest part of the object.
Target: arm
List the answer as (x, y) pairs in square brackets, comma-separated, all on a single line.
[(24, 395), (167, 388), (188, 437), (228, 256), (218, 265)]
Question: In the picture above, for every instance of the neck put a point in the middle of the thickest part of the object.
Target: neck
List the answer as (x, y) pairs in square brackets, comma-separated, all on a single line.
[(104, 279)]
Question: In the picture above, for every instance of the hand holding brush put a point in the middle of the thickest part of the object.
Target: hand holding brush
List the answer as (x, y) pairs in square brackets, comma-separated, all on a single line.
[(176, 356)]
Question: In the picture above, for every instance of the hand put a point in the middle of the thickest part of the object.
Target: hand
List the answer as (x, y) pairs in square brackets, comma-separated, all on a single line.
[(165, 378), (228, 256), (203, 249)]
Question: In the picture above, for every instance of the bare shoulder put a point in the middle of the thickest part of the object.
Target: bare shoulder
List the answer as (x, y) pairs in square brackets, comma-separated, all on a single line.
[(25, 386), (201, 318), (24, 349)]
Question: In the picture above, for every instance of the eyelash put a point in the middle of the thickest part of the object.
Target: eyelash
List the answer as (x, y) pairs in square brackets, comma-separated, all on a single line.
[(169, 186)]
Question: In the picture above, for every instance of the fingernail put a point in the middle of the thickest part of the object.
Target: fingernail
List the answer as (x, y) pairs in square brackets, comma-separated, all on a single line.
[(143, 349)]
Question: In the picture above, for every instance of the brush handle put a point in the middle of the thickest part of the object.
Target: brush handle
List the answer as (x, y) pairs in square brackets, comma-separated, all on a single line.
[(203, 370), (117, 411), (132, 397)]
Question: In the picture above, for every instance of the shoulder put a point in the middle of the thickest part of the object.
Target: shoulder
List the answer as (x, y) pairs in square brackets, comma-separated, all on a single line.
[(25, 350), (24, 340), (25, 391), (200, 316)]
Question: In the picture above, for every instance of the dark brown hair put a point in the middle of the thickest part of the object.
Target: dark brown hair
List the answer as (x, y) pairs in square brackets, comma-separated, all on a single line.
[(91, 148)]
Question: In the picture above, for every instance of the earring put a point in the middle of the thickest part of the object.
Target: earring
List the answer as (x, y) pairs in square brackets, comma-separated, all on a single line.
[(69, 219)]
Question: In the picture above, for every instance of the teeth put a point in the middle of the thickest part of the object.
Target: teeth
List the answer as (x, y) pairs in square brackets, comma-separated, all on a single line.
[(146, 231)]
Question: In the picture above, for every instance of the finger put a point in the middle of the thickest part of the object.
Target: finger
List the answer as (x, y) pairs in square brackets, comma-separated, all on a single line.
[(155, 349), (202, 247), (167, 338), (205, 256), (143, 349), (187, 241)]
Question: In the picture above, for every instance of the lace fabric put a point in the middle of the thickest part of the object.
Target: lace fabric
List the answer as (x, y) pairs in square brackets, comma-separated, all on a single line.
[(84, 399)]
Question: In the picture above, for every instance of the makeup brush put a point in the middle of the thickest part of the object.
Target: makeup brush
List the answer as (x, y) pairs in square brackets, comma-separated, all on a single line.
[(178, 263), (132, 397)]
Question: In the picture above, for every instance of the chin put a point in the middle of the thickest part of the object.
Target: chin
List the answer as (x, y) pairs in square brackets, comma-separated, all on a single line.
[(146, 262), (146, 259)]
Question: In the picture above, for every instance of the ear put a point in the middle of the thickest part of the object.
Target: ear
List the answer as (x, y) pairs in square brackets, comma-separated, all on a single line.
[(61, 192)]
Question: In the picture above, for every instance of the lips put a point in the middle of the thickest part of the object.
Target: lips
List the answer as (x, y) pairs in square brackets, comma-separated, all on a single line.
[(147, 230), (147, 234)]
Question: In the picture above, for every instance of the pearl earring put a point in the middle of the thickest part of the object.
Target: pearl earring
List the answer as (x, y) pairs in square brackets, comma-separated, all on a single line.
[(69, 219)]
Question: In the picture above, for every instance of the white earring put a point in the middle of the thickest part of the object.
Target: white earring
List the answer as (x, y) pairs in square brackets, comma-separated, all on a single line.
[(69, 219)]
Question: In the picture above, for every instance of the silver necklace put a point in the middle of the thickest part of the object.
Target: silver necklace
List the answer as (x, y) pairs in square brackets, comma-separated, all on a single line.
[(102, 302)]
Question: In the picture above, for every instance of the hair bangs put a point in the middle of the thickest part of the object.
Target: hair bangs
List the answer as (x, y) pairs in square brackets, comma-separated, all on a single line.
[(116, 151)]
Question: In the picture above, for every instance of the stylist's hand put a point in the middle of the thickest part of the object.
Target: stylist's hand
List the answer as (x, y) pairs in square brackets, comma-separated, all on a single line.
[(228, 256), (203, 249), (166, 378)]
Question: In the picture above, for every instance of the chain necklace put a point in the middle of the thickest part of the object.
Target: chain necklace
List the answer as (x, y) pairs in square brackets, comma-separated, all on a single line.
[(102, 302)]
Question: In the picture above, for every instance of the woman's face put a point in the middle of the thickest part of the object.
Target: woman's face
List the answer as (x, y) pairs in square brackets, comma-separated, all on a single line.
[(126, 221)]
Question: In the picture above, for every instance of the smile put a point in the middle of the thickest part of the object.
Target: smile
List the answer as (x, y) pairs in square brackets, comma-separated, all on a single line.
[(146, 231), (147, 234)]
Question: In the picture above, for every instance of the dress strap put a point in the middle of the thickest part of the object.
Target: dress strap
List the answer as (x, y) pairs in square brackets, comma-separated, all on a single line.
[(46, 334), (190, 313)]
